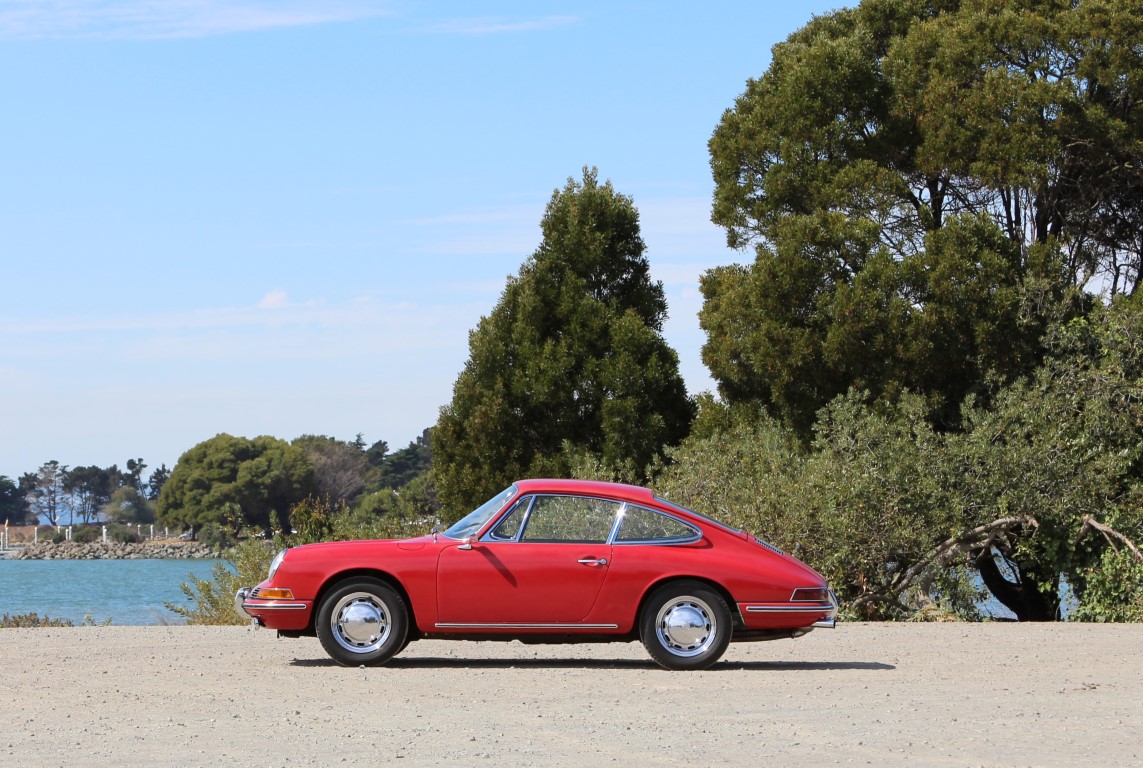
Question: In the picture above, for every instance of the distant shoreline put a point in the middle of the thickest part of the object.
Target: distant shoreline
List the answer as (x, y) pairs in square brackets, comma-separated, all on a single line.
[(155, 549)]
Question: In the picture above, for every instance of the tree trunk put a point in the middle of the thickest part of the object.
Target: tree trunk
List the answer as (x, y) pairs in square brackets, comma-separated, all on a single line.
[(1022, 597)]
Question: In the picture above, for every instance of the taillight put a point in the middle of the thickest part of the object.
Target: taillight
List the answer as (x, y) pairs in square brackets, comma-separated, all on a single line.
[(810, 595)]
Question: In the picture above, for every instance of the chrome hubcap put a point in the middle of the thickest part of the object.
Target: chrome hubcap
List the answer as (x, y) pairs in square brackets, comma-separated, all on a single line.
[(360, 622), (686, 626)]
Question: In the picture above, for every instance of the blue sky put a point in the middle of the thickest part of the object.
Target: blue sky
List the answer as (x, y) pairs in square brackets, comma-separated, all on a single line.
[(284, 216)]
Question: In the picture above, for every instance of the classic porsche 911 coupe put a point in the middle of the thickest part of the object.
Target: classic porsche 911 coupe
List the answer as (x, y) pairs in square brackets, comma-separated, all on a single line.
[(547, 561)]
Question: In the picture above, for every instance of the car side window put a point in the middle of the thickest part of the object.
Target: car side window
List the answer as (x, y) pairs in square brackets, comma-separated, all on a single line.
[(570, 518), (647, 525), (509, 526)]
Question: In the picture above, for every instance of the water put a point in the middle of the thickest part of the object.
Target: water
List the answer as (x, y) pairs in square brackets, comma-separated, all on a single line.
[(126, 592)]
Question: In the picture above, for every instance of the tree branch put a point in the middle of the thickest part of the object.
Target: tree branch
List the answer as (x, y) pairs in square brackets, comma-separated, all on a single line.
[(1109, 533)]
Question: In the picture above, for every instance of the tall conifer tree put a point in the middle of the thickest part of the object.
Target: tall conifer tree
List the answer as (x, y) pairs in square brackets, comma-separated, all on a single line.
[(571, 360)]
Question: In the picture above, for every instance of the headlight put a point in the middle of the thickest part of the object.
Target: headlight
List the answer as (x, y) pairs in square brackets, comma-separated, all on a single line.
[(278, 558)]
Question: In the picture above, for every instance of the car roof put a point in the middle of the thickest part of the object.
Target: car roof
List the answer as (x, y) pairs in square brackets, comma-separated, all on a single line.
[(622, 491)]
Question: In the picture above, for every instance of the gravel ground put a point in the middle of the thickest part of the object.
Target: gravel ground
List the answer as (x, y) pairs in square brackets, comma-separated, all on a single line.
[(864, 694)]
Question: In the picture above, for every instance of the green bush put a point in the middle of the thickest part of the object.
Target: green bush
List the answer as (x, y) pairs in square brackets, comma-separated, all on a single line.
[(86, 534), (217, 537), (123, 534), (248, 563), (31, 620)]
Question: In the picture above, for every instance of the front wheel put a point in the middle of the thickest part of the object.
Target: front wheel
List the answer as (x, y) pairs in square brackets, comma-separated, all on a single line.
[(685, 625), (362, 621)]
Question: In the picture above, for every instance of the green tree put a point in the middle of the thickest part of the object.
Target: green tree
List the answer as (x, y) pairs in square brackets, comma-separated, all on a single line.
[(401, 467), (134, 476), (13, 508), (156, 481), (89, 489), (570, 358), (129, 506), (1044, 484), (236, 481), (922, 183), (45, 492), (341, 469)]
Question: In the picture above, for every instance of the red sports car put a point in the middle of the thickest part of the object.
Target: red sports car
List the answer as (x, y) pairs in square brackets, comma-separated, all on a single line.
[(547, 561)]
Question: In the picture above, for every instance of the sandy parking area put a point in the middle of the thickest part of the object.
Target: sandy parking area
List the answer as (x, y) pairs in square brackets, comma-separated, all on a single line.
[(865, 694)]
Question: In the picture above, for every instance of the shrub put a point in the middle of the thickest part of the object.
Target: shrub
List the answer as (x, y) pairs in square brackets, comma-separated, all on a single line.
[(31, 620), (217, 537), (124, 534)]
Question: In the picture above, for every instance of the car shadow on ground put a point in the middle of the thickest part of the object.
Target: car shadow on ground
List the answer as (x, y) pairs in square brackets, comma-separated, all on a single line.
[(435, 662)]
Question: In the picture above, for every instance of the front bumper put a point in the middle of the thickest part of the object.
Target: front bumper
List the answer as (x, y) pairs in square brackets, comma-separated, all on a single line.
[(240, 604), (276, 614)]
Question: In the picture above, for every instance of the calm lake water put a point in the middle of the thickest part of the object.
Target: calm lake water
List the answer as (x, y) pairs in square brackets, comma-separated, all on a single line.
[(126, 592)]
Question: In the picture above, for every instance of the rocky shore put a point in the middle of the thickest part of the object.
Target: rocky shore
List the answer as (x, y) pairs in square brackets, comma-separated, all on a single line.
[(158, 549)]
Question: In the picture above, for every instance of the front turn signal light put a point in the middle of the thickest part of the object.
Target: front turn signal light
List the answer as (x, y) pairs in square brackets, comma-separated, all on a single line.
[(275, 593)]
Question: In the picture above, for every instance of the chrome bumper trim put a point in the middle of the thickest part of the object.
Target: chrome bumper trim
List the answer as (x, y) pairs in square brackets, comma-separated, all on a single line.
[(240, 602), (274, 606), (829, 621), (816, 608)]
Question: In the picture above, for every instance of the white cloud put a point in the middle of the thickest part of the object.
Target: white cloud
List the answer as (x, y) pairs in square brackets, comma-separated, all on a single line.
[(274, 300), (158, 19)]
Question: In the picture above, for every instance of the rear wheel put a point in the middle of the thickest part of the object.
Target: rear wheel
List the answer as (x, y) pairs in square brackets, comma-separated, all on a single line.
[(685, 625), (362, 621)]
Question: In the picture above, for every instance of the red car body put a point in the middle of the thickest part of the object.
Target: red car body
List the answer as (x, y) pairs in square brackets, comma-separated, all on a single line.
[(548, 561)]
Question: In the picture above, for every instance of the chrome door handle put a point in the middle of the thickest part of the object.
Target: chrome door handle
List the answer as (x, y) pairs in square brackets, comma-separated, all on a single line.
[(592, 561)]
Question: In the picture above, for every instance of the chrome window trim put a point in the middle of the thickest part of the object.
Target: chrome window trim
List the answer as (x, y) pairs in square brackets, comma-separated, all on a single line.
[(488, 536), (696, 536), (532, 498), (613, 534)]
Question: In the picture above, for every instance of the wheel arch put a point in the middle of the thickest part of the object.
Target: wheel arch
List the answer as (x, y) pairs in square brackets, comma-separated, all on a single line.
[(735, 616), (355, 573)]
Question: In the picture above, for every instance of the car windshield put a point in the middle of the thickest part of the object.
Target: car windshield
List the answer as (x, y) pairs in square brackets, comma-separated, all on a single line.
[(475, 520)]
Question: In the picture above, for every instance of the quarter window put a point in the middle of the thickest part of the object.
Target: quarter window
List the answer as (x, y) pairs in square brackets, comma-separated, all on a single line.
[(641, 524)]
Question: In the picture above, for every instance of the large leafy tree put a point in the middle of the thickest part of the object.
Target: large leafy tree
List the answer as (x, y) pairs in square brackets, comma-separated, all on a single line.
[(341, 469), (570, 361), (89, 490), (236, 481), (1045, 484), (921, 181)]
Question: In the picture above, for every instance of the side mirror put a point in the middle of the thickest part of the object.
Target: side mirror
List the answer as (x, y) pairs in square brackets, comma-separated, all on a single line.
[(467, 543)]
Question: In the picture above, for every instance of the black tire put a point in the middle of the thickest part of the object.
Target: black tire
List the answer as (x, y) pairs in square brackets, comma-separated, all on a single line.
[(685, 625), (362, 621)]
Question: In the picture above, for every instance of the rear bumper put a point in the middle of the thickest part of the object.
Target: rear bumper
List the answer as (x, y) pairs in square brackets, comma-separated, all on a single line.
[(790, 615)]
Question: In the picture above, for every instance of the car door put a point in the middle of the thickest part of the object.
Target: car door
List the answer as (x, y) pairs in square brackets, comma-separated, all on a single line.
[(543, 564)]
